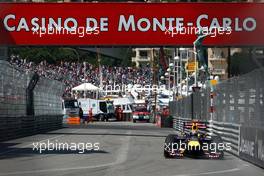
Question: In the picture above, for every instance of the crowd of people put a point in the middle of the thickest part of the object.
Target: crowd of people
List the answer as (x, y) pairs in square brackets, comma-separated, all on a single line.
[(73, 73)]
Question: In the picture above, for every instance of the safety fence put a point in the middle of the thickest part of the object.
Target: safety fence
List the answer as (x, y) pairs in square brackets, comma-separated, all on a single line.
[(29, 104), (233, 110)]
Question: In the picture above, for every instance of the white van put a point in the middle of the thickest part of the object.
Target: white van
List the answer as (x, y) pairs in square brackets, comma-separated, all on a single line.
[(101, 109)]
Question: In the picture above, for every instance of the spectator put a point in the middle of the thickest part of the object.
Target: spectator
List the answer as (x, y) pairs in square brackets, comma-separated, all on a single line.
[(73, 73)]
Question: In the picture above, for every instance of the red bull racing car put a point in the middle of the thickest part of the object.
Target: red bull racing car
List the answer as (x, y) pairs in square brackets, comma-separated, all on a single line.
[(194, 142)]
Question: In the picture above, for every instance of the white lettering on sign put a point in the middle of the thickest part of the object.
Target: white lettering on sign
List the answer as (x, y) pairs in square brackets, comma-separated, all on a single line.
[(146, 24), (12, 23), (247, 24)]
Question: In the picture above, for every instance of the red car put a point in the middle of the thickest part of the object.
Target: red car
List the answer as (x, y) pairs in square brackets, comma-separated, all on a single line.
[(140, 114)]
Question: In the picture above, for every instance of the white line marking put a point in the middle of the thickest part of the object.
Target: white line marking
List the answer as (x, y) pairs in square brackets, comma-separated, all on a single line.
[(211, 173), (216, 172)]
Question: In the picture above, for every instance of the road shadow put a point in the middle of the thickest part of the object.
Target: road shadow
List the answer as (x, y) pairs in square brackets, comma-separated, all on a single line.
[(108, 134), (9, 151), (6, 145)]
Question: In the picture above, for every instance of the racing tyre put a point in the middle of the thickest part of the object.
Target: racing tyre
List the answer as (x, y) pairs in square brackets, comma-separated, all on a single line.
[(217, 140), (170, 139)]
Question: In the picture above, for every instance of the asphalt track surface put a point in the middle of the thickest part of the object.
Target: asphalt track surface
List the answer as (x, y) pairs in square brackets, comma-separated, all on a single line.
[(126, 149)]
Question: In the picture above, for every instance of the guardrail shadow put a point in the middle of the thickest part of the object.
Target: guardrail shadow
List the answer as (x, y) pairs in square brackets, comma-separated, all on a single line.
[(111, 125), (108, 134)]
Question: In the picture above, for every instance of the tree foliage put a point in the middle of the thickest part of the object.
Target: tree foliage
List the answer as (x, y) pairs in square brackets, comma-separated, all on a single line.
[(57, 54), (50, 54)]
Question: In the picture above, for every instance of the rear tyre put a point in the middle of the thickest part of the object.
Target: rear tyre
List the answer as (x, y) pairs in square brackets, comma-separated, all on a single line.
[(170, 139), (134, 121), (218, 141)]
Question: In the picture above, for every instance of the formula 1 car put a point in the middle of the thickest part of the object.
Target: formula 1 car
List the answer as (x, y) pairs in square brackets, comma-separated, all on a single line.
[(196, 143)]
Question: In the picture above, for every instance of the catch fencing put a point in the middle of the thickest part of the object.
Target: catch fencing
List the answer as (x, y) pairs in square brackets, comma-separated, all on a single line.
[(29, 104), (236, 114)]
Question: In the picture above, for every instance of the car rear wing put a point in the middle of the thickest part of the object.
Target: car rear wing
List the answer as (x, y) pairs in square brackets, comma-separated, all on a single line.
[(197, 125)]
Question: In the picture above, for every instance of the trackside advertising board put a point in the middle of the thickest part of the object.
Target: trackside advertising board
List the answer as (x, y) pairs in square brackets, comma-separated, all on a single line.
[(251, 146), (131, 24)]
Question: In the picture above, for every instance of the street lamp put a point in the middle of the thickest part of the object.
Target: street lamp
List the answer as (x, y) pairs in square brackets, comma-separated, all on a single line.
[(181, 50), (167, 74), (174, 70), (194, 74), (162, 78), (187, 73), (175, 62), (176, 58)]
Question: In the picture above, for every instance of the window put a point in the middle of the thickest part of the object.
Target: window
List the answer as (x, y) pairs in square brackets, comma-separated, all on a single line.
[(71, 104), (143, 54)]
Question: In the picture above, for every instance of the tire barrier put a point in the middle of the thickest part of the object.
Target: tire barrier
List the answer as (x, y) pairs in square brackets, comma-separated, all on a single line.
[(234, 112), (28, 104)]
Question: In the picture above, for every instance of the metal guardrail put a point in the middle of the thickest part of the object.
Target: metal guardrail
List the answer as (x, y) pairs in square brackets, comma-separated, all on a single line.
[(16, 116), (237, 116), (230, 133), (47, 97)]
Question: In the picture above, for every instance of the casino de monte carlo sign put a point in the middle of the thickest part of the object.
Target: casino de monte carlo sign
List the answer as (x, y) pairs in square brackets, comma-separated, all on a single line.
[(131, 24)]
